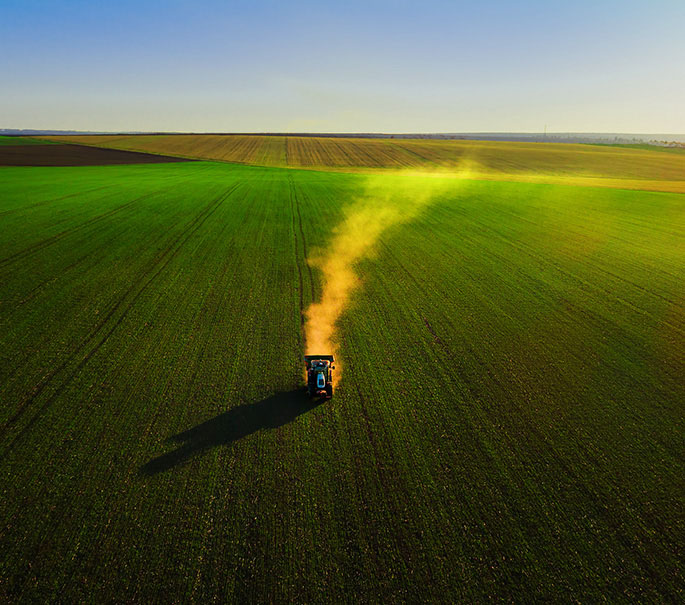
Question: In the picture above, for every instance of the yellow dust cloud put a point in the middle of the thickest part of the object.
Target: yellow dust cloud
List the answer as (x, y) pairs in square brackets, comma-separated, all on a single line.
[(385, 202)]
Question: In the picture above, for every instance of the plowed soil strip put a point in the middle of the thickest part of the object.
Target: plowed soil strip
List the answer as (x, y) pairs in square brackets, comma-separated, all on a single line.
[(76, 155)]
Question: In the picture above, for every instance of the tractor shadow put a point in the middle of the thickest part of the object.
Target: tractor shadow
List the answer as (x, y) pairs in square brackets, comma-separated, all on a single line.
[(237, 423)]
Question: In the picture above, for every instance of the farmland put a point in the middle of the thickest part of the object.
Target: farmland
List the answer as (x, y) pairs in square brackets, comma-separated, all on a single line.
[(554, 163), (33, 154), (6, 140), (509, 424)]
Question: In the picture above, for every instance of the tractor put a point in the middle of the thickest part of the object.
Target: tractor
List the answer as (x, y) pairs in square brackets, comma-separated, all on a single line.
[(320, 375)]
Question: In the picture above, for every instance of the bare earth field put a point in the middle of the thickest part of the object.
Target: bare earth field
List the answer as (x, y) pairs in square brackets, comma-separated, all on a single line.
[(75, 155)]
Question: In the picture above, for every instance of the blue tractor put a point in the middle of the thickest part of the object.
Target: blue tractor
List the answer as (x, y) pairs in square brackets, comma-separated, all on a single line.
[(320, 375)]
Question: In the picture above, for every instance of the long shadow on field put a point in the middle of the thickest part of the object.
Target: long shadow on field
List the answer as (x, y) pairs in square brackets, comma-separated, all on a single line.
[(270, 413)]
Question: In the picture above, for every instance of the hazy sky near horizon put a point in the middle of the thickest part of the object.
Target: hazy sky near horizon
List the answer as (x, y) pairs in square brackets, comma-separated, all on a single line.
[(371, 66)]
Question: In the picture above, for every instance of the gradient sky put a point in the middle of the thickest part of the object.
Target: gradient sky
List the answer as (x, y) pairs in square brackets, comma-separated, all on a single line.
[(370, 66)]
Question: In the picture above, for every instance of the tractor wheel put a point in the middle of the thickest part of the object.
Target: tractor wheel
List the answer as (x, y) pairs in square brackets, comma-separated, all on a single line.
[(329, 391)]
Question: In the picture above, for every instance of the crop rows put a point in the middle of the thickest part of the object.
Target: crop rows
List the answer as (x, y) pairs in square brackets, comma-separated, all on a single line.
[(555, 163), (509, 425)]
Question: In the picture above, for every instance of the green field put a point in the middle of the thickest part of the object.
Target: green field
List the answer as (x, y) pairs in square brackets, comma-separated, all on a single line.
[(509, 425), (5, 140)]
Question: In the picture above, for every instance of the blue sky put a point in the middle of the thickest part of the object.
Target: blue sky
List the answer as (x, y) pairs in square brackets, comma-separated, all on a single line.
[(433, 66)]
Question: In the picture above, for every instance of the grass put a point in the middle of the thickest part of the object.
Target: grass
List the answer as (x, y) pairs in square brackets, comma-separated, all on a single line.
[(509, 425)]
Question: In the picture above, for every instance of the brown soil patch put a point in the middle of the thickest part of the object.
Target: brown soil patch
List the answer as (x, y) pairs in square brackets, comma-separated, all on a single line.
[(75, 155)]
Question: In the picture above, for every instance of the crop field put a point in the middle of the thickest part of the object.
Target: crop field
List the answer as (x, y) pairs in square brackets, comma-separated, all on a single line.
[(5, 140), (508, 422), (555, 163), (75, 155)]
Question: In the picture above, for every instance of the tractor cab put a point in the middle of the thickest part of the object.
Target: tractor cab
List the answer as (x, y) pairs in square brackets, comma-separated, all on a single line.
[(319, 375)]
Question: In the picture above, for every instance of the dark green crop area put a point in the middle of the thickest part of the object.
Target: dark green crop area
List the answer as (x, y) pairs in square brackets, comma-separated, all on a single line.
[(5, 140), (509, 426)]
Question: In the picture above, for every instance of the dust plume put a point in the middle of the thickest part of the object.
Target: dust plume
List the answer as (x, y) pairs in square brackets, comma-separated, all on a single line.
[(385, 202)]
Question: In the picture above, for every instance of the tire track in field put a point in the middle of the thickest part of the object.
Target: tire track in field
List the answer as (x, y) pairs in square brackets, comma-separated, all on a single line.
[(297, 260), (38, 246), (525, 249), (575, 276), (33, 292), (156, 267), (598, 500), (600, 509), (163, 258), (388, 475), (54, 199), (58, 236), (56, 520), (295, 205), (159, 410)]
